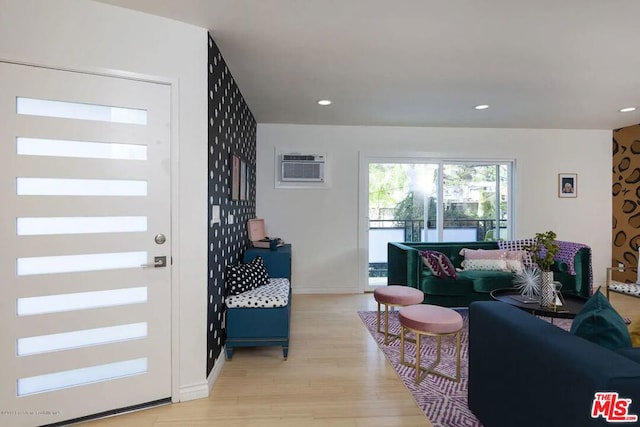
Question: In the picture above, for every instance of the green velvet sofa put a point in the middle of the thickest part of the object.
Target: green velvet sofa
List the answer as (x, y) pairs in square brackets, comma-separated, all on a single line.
[(407, 268)]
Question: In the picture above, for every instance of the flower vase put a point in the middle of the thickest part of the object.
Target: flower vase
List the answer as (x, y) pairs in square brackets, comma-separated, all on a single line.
[(547, 287)]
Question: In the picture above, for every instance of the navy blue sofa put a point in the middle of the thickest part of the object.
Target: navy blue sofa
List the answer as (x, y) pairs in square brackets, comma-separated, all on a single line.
[(526, 372)]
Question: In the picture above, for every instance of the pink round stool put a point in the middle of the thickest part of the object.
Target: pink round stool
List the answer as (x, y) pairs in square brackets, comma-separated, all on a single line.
[(395, 296), (432, 320)]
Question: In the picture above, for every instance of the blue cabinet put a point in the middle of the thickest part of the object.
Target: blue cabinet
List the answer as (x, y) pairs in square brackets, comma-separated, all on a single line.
[(252, 326), (278, 262)]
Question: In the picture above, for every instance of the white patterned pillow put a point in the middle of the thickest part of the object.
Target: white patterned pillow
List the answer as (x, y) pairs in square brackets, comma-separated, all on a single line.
[(485, 264), (484, 259), (245, 277)]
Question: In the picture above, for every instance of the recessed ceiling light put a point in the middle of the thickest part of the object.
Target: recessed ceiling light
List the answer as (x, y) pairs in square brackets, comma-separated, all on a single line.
[(627, 109), (481, 107), (324, 102)]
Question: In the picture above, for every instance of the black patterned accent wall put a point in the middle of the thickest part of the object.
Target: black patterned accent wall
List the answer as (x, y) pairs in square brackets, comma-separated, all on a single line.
[(232, 132)]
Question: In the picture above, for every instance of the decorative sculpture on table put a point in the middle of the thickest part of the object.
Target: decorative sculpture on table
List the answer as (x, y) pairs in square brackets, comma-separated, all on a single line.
[(543, 250), (528, 282), (558, 301)]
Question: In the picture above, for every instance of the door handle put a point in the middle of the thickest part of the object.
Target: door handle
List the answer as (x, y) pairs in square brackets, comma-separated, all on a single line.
[(159, 261)]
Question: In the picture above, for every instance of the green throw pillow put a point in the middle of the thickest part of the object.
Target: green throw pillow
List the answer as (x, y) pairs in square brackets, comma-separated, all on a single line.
[(600, 323)]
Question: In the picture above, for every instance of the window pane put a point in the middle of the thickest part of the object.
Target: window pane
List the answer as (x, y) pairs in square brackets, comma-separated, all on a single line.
[(83, 338), (74, 110), (504, 231), (79, 187), (80, 301), (472, 210), (76, 377), (81, 149), (80, 225), (75, 263)]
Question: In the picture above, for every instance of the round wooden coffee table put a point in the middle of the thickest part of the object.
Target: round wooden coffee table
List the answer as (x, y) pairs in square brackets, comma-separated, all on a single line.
[(572, 304)]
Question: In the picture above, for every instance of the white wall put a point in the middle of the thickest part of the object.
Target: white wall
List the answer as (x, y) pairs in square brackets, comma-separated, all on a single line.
[(322, 224), (85, 35)]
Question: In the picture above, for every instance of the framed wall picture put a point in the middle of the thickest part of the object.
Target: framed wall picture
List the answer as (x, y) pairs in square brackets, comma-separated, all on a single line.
[(567, 185), (249, 182), (243, 180), (235, 177)]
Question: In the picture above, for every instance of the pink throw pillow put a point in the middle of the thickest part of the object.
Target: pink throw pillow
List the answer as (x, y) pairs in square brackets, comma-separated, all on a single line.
[(515, 260), (483, 253), (518, 245)]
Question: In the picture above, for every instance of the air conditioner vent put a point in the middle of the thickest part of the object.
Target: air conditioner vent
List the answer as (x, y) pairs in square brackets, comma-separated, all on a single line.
[(303, 157), (302, 167)]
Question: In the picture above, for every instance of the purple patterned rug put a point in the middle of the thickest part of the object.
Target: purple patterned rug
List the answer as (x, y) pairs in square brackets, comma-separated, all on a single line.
[(444, 402)]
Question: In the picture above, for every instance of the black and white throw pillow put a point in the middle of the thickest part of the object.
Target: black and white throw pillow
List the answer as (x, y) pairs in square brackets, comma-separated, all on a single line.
[(245, 277), (261, 271)]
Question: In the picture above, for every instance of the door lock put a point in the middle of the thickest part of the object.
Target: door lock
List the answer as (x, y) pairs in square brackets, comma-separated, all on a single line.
[(159, 261)]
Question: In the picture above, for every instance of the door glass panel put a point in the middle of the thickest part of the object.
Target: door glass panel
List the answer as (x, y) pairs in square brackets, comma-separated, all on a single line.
[(79, 187), (83, 338), (80, 149), (80, 301), (75, 263), (80, 225), (474, 202), (76, 377), (402, 196), (80, 111)]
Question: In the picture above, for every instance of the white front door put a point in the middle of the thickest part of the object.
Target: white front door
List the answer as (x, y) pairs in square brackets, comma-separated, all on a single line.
[(85, 195)]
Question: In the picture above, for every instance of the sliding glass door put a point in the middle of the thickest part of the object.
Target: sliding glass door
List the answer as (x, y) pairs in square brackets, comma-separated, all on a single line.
[(424, 200)]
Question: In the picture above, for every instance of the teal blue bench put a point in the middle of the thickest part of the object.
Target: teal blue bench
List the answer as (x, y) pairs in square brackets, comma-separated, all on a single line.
[(252, 325)]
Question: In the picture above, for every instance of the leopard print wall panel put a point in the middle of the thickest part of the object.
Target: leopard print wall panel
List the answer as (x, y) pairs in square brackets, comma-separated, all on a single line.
[(626, 200)]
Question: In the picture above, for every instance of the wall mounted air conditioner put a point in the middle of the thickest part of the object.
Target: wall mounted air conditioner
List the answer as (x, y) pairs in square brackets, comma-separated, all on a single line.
[(296, 167)]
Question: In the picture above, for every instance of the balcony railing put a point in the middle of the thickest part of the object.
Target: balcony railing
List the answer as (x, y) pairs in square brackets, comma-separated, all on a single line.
[(413, 228)]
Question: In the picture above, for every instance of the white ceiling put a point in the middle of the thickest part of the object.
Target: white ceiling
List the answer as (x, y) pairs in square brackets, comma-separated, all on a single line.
[(539, 63)]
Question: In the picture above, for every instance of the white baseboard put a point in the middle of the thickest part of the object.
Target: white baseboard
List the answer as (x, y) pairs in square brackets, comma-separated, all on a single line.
[(202, 390), (217, 368), (194, 391), (335, 291)]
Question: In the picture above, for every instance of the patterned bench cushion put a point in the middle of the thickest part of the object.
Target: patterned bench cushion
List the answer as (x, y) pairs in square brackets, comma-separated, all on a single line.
[(273, 294), (625, 288)]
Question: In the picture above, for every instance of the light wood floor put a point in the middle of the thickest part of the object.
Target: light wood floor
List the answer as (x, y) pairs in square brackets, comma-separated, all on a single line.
[(335, 376), (626, 305)]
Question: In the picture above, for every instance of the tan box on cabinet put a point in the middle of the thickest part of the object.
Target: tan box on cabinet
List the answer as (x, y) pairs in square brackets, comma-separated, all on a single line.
[(258, 234)]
